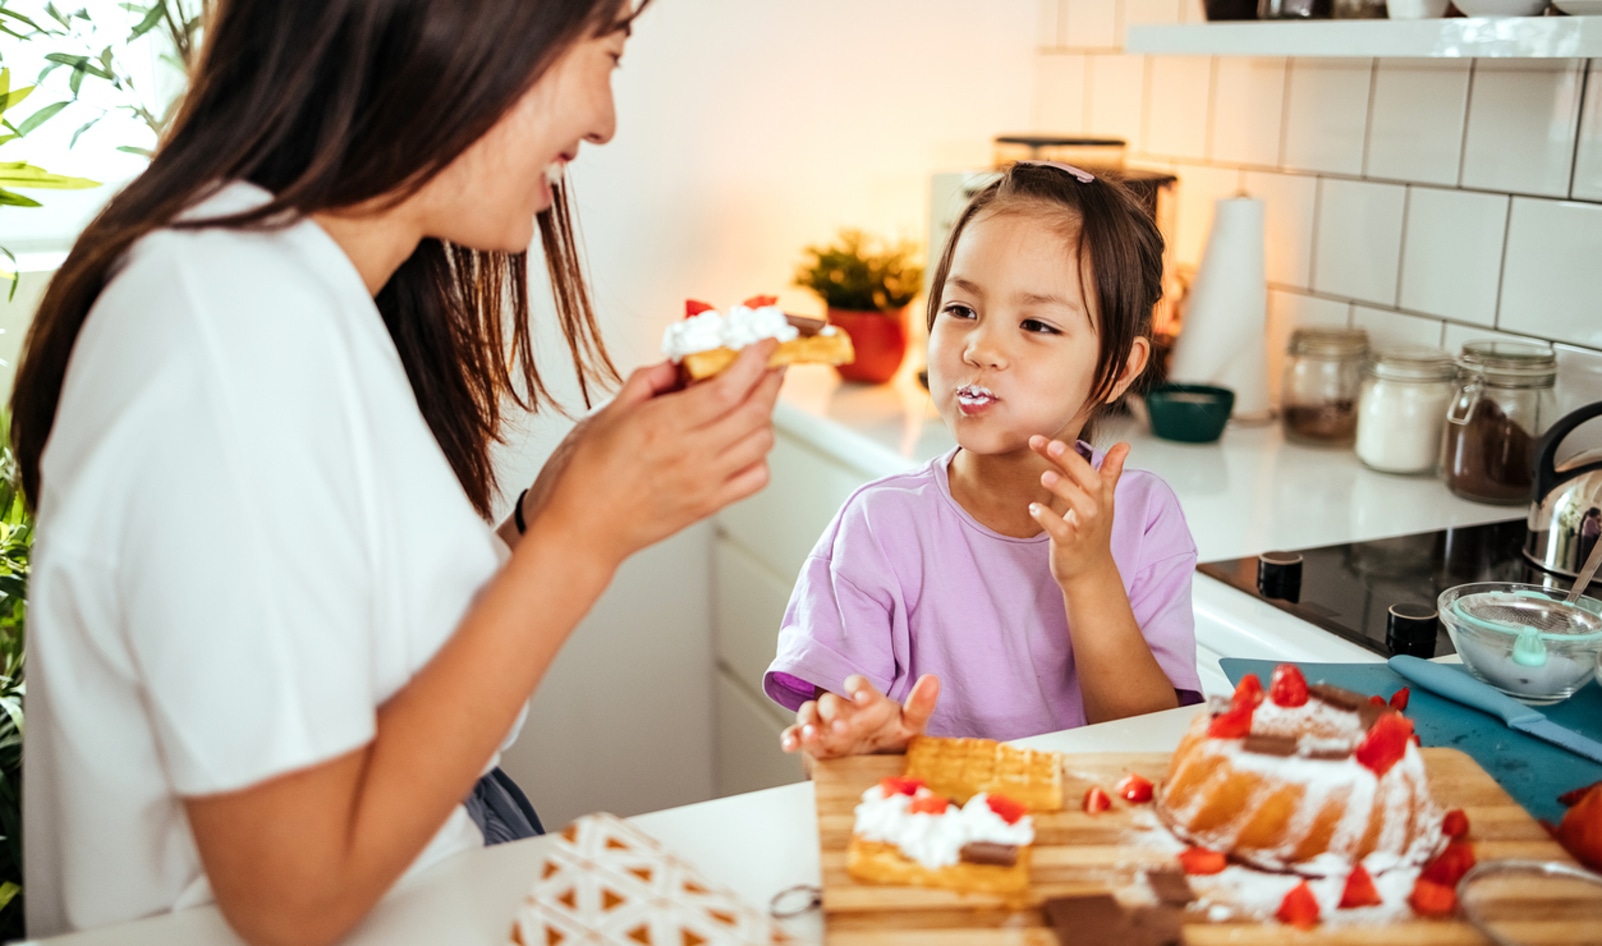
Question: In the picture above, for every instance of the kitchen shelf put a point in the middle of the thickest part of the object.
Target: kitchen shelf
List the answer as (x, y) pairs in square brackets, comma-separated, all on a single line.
[(1525, 37)]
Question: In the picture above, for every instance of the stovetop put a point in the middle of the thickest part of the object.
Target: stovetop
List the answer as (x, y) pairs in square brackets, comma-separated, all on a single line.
[(1348, 589)]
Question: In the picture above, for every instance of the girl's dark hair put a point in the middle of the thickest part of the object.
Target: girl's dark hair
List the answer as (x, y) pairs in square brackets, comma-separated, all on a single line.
[(1118, 245), (331, 105)]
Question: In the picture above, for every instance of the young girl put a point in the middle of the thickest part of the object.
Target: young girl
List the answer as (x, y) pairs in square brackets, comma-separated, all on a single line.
[(1027, 581)]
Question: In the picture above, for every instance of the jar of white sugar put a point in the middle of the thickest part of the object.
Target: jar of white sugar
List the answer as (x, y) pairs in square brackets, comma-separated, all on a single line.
[(1401, 409)]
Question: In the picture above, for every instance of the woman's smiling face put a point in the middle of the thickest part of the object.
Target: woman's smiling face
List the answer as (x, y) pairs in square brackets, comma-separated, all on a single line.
[(1013, 348)]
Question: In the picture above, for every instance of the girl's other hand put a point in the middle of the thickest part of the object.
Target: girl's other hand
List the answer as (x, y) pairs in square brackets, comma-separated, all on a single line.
[(832, 726), (660, 456), (1080, 518)]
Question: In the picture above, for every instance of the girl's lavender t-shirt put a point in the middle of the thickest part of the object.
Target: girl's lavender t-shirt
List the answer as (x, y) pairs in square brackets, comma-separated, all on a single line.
[(905, 582)]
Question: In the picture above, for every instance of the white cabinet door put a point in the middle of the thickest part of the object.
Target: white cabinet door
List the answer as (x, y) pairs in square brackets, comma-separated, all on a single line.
[(748, 603), (780, 525), (746, 753)]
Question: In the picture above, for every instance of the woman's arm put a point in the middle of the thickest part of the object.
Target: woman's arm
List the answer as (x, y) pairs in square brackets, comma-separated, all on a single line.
[(301, 858)]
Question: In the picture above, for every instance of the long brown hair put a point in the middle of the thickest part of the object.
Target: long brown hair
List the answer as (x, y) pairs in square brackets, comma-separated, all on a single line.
[(1116, 242), (334, 104)]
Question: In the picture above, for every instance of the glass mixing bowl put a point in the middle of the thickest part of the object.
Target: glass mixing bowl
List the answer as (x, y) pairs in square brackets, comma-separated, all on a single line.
[(1533, 664)]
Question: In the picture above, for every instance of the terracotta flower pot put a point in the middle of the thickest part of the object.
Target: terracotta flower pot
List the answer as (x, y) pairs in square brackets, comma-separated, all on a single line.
[(880, 340)]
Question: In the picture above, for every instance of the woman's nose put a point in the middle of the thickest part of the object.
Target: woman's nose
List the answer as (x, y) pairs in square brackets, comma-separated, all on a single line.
[(603, 122)]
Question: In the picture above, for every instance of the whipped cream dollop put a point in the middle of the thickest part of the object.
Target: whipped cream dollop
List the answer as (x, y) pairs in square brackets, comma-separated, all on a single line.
[(935, 841), (739, 327)]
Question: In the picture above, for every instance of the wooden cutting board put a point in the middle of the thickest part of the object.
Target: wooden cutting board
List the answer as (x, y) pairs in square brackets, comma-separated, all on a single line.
[(1076, 853)]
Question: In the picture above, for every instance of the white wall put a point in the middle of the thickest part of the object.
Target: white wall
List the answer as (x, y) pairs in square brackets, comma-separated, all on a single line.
[(747, 130)]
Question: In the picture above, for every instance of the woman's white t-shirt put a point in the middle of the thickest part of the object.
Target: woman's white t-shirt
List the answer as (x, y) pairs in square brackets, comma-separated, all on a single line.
[(248, 539)]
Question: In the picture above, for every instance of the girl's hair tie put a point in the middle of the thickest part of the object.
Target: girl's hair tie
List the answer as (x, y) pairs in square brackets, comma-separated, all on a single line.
[(1084, 176)]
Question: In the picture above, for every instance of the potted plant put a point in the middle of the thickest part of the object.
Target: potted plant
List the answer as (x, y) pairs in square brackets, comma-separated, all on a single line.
[(16, 540), (866, 285)]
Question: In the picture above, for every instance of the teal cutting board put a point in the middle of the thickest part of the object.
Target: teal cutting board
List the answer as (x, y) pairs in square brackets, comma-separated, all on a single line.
[(1531, 770)]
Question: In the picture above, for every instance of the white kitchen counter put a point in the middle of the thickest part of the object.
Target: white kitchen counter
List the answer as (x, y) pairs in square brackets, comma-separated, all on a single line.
[(757, 844)]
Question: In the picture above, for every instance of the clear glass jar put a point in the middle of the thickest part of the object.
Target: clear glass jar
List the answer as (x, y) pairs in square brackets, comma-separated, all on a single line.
[(1293, 9), (1401, 409), (1318, 396), (1504, 401), (1359, 9)]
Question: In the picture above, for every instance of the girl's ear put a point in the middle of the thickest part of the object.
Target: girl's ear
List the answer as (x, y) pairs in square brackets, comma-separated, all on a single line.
[(1134, 366)]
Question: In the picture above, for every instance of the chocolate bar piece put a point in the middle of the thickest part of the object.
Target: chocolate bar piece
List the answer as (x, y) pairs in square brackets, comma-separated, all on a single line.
[(807, 327), (1338, 697), (989, 852), (1270, 745), (1100, 920), (1171, 886)]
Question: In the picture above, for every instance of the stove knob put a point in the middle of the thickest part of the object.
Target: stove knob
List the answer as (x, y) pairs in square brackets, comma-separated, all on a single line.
[(1411, 629), (1279, 575)]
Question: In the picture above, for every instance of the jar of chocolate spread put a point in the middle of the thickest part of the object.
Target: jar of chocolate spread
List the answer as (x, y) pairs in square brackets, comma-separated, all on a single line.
[(1318, 397), (1503, 403)]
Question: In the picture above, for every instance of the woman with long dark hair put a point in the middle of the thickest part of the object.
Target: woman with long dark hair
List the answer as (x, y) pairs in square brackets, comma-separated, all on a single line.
[(274, 642)]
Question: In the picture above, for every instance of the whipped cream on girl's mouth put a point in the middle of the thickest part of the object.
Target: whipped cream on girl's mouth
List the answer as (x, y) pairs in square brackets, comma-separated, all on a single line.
[(553, 173), (740, 327), (975, 395)]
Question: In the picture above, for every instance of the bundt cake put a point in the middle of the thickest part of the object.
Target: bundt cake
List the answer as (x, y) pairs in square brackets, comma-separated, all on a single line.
[(1310, 779)]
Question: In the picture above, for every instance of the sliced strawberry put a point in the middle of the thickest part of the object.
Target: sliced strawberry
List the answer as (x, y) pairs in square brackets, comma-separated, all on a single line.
[(1418, 741), (1096, 800), (1572, 797), (1377, 700), (1359, 890), (1248, 692), (757, 302), (1199, 860), (1134, 789), (1451, 864), (1399, 699), (1432, 899), (1006, 809), (1289, 687), (1455, 824), (900, 785), (694, 307), (1299, 908), (1385, 743), (1233, 723), (929, 805)]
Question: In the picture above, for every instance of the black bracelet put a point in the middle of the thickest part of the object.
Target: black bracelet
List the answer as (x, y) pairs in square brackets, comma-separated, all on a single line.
[(517, 514)]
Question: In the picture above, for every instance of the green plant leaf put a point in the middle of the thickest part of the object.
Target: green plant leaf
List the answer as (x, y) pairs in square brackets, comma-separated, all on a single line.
[(135, 149), (10, 275), (8, 891), (81, 129), (151, 20), (20, 174), (40, 117), (9, 199)]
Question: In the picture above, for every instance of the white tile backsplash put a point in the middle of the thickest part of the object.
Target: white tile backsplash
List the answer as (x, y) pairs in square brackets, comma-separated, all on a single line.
[(1452, 253), (1289, 201), (1588, 156), (1416, 131), (1453, 337), (1091, 24), (1177, 101), (1117, 84), (1463, 147), (1358, 239), (1048, 23), (1326, 115), (1387, 329), (1059, 91), (1552, 282), (1200, 189), (1248, 100), (1522, 125)]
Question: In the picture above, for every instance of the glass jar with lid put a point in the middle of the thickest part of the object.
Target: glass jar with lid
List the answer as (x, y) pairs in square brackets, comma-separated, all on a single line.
[(1503, 402), (1401, 409), (1318, 395)]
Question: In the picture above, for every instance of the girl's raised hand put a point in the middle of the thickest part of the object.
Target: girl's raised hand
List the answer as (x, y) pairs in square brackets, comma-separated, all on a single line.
[(660, 457), (1080, 519), (832, 726)]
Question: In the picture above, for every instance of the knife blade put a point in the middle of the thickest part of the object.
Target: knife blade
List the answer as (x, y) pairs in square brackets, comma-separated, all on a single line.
[(1459, 686)]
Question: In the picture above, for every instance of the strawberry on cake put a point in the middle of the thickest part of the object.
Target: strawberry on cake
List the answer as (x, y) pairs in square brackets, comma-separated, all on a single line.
[(707, 341), (1312, 780)]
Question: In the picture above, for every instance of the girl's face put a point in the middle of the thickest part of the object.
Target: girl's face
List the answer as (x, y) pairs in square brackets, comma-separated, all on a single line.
[(1013, 348), (488, 197)]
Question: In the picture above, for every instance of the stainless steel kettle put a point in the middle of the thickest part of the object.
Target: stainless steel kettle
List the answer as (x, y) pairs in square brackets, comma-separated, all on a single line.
[(1566, 511)]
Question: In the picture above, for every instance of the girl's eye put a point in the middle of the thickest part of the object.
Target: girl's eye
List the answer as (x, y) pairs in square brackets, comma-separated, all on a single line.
[(1039, 327), (958, 311)]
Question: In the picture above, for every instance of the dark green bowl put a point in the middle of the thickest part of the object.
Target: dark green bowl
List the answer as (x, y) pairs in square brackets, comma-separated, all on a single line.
[(1189, 413)]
